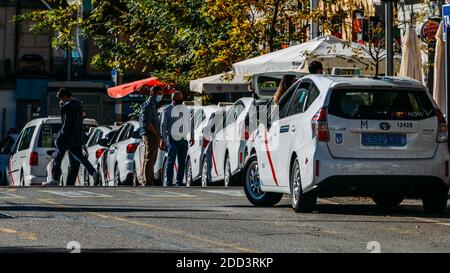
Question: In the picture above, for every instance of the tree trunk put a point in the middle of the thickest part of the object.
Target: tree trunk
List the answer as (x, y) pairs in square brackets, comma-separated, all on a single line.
[(272, 25)]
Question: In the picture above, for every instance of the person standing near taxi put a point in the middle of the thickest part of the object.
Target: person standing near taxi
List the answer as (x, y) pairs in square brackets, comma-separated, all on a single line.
[(286, 82), (175, 127), (149, 129)]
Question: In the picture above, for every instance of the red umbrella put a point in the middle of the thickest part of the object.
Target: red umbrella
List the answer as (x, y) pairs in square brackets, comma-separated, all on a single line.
[(127, 88)]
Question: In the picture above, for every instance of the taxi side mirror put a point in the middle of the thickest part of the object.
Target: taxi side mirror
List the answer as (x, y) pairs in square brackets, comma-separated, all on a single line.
[(136, 134), (103, 142)]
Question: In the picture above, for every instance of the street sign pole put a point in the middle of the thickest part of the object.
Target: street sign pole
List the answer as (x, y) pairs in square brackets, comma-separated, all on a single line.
[(388, 14), (447, 66), (446, 28)]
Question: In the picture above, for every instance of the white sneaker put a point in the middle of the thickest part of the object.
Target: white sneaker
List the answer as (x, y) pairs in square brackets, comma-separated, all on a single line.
[(50, 183)]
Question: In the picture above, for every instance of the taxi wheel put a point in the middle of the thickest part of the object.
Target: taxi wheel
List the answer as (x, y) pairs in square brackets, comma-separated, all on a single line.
[(117, 177), (205, 179), (301, 202), (22, 179), (135, 177), (86, 179), (435, 199), (3, 181), (188, 173), (162, 176), (99, 180), (388, 200), (227, 176), (252, 187)]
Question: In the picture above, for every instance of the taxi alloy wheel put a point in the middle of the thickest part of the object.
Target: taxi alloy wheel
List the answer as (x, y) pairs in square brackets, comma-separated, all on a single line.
[(99, 180), (116, 176), (188, 173), (86, 178), (254, 181), (252, 186), (204, 173), (22, 179), (135, 177), (301, 202), (228, 176)]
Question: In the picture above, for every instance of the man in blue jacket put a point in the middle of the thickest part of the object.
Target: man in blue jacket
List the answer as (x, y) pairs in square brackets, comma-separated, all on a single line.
[(70, 137)]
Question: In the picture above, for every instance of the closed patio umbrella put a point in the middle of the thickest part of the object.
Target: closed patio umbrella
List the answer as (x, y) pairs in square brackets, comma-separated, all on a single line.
[(411, 65), (439, 90)]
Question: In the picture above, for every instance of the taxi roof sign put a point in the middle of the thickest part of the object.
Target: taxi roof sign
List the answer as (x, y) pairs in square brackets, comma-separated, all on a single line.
[(346, 71)]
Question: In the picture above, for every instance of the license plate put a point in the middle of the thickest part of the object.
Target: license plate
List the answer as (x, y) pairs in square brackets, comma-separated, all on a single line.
[(395, 140)]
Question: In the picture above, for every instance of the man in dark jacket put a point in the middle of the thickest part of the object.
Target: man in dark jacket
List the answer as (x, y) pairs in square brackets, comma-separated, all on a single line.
[(149, 127), (70, 137)]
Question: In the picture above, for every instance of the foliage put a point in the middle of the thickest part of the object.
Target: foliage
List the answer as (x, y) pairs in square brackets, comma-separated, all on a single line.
[(180, 40)]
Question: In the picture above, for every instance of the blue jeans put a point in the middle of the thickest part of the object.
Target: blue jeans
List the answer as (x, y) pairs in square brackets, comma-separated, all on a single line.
[(176, 150)]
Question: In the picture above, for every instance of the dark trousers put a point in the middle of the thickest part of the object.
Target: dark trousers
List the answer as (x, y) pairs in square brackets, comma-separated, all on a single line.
[(176, 150), (151, 144), (74, 167), (77, 155)]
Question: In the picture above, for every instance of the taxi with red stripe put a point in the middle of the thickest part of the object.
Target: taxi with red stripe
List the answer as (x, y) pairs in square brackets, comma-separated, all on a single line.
[(331, 136)]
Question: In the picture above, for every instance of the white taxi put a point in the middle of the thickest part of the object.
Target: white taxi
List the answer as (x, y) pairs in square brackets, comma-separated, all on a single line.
[(194, 162), (95, 151), (34, 149), (117, 161), (336, 136), (228, 147)]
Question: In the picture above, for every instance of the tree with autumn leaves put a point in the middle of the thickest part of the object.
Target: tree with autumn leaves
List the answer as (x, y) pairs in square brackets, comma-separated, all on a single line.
[(180, 40)]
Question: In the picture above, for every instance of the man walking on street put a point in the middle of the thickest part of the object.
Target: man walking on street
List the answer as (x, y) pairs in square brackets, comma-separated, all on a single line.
[(70, 137), (149, 123), (175, 127)]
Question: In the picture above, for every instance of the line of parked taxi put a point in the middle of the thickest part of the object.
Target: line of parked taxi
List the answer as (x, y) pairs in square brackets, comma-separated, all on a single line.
[(327, 136)]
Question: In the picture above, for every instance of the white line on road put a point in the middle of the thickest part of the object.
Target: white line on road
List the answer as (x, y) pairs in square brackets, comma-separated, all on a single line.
[(8, 195), (78, 194), (159, 193), (447, 224), (237, 193)]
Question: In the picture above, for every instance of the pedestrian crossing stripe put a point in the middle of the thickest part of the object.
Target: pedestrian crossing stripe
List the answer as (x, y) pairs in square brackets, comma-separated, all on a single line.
[(160, 193), (78, 194), (8, 195), (236, 193)]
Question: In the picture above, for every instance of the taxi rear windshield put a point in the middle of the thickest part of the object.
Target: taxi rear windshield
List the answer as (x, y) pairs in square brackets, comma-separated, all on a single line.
[(381, 104)]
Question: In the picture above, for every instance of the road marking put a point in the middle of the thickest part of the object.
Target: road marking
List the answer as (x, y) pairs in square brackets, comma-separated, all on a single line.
[(447, 224), (24, 235), (159, 193), (165, 229), (326, 201), (5, 216), (237, 193), (181, 233), (8, 195), (78, 194)]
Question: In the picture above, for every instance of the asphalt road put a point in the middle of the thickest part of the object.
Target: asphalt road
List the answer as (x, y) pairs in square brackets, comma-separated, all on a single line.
[(211, 219)]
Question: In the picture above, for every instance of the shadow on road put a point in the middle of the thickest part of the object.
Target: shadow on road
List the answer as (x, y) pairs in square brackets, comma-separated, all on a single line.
[(81, 208), (44, 250), (362, 210)]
